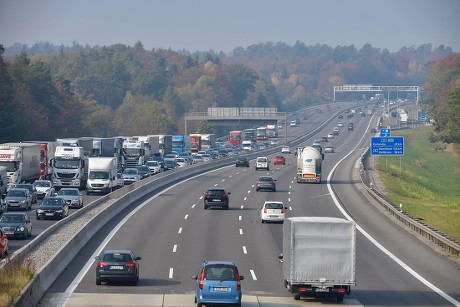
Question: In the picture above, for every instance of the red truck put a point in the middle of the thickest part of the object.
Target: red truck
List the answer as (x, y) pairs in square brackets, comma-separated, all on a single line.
[(235, 138), (47, 150), (195, 143)]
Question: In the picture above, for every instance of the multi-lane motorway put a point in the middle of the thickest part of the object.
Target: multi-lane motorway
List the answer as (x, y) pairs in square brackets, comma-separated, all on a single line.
[(173, 233)]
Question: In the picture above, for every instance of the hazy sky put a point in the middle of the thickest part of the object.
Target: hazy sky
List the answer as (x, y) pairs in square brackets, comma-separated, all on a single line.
[(201, 25)]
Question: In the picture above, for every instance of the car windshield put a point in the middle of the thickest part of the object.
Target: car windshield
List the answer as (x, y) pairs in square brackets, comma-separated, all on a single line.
[(143, 169), (262, 160), (265, 179), (117, 257), (10, 218), (152, 163), (52, 202), (25, 186), (68, 192), (220, 272), (274, 206), (16, 193), (42, 184)]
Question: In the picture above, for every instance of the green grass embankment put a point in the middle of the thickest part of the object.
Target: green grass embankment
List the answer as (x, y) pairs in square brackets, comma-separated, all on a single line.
[(428, 182)]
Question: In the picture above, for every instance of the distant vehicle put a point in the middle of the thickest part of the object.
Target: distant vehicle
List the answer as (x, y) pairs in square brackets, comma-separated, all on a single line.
[(197, 159), (274, 142), (52, 207), (117, 265), (272, 211), (324, 139), (266, 183), (206, 157), (262, 162), (44, 188), (340, 124), (309, 164), (340, 116), (144, 171), (293, 123), (329, 149), (218, 282), (181, 162), (131, 174), (216, 197), (335, 131), (330, 135), (30, 187), (16, 225), (3, 244), (154, 167), (169, 165), (350, 127), (242, 161), (71, 196), (3, 206), (223, 153), (18, 199), (120, 181), (373, 130), (279, 160), (286, 149)]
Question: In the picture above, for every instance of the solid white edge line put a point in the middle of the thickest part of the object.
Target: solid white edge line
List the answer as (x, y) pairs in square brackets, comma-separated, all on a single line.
[(377, 244)]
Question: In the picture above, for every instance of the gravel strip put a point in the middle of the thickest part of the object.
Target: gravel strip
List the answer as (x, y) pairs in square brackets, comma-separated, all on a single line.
[(50, 245)]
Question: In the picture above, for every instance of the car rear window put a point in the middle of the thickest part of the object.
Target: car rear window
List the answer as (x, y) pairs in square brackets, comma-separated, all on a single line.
[(274, 206), (220, 272), (119, 257), (265, 179), (261, 160), (216, 192)]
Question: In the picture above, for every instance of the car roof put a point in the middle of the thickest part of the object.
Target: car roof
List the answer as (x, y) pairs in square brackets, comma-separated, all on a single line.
[(265, 177), (273, 202), (213, 262), (114, 251), (216, 189)]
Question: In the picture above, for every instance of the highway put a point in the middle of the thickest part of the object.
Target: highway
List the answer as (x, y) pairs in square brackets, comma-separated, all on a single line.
[(173, 233)]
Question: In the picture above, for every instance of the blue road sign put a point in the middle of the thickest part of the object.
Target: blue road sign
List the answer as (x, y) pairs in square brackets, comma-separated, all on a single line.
[(385, 132), (423, 117), (387, 146)]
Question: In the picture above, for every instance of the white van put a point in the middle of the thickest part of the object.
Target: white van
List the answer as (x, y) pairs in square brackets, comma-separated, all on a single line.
[(262, 162)]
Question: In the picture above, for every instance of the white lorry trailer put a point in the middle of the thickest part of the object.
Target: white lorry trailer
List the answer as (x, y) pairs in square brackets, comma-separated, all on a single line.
[(103, 147), (69, 167), (22, 161), (319, 256), (102, 175), (309, 161)]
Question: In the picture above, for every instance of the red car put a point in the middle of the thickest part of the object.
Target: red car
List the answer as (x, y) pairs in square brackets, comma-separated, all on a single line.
[(279, 160), (3, 244)]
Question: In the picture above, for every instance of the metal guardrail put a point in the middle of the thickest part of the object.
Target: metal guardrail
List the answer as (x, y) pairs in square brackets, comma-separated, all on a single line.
[(436, 237)]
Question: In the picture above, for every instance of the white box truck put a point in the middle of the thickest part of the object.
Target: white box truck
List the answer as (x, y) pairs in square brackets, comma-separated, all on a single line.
[(319, 256), (22, 161), (102, 175)]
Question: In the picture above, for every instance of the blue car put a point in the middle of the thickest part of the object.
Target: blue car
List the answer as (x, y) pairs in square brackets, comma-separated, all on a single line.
[(218, 283)]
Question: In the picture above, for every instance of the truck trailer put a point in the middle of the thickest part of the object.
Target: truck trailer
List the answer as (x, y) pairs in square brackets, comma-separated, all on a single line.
[(309, 162), (22, 161), (102, 175), (319, 256)]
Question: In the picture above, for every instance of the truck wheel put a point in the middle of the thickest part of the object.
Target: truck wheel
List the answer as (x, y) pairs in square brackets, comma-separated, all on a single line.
[(98, 281), (340, 297)]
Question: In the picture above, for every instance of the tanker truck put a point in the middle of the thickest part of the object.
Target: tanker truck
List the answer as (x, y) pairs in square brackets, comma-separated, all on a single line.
[(309, 162), (22, 161)]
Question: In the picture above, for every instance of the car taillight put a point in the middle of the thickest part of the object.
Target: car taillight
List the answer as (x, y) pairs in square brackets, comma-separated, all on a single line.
[(265, 210), (238, 287), (207, 195), (200, 284), (130, 264), (101, 264), (224, 195), (271, 182), (282, 210), (258, 182)]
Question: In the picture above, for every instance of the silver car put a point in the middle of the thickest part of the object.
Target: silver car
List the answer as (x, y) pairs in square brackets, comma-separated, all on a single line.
[(72, 197), (17, 198), (44, 188)]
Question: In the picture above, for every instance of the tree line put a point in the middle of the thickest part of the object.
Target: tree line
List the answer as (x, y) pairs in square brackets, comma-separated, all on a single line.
[(49, 91)]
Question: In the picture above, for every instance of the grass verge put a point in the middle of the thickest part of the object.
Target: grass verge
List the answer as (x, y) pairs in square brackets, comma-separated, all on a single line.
[(14, 277), (427, 181)]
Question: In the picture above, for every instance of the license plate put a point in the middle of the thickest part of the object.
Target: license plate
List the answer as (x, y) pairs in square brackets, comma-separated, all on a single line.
[(13, 205), (49, 214), (273, 216), (321, 290), (220, 289), (9, 233), (216, 200), (116, 267)]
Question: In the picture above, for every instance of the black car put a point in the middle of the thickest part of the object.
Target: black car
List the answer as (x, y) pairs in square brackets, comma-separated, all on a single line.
[(169, 164), (52, 207), (216, 197), (117, 265), (350, 127), (340, 116), (242, 161), (16, 225), (323, 139)]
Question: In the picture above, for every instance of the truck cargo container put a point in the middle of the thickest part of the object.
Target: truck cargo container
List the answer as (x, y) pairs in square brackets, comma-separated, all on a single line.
[(104, 147), (22, 161), (208, 141), (181, 143), (309, 162), (47, 150), (195, 143), (319, 256), (236, 138)]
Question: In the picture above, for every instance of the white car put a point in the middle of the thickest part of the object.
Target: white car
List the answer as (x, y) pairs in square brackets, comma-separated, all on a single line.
[(330, 135), (274, 142), (285, 149), (197, 159), (206, 157), (44, 188), (154, 167), (340, 124), (262, 162), (181, 162), (272, 211)]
